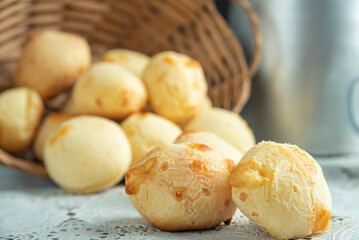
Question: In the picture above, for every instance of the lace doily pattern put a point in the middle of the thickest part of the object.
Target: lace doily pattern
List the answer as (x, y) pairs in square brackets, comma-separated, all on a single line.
[(37, 209)]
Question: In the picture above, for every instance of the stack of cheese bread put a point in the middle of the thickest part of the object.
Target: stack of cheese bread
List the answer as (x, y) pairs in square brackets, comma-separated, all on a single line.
[(188, 165)]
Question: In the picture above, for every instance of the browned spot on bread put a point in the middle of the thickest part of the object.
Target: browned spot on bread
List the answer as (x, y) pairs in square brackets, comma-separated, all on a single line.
[(139, 175), (36, 105), (142, 115), (126, 96), (227, 202), (131, 189), (98, 102), (164, 166), (230, 164), (179, 193), (131, 132), (59, 134), (243, 196), (254, 214), (192, 63), (161, 76), (228, 221), (320, 218), (108, 58), (200, 166), (197, 165), (206, 192), (200, 147), (168, 59), (306, 166), (60, 116), (302, 161)]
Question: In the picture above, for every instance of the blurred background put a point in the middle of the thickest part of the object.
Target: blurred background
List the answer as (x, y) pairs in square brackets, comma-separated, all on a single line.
[(306, 91)]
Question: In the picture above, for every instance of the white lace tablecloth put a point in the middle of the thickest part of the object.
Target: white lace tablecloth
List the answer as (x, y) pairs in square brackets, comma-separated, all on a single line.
[(32, 208)]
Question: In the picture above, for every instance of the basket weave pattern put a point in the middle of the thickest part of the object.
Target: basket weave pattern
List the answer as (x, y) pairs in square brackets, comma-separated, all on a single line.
[(194, 28)]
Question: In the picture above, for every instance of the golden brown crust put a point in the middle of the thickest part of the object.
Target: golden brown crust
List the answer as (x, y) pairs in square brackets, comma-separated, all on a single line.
[(230, 165), (301, 160), (192, 63), (319, 218), (282, 189), (243, 196), (138, 175), (200, 147), (168, 59), (178, 187)]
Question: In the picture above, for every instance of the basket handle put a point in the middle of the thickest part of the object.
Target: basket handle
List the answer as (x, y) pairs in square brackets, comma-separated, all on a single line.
[(253, 66)]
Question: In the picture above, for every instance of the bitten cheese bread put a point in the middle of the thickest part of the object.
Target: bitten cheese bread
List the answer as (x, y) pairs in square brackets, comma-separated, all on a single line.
[(108, 90), (133, 61), (87, 154), (282, 189), (181, 187), (146, 131), (213, 141), (225, 124), (21, 111), (51, 61), (176, 85)]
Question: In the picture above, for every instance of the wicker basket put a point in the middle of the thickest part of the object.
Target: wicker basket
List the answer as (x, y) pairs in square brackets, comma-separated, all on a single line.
[(194, 28)]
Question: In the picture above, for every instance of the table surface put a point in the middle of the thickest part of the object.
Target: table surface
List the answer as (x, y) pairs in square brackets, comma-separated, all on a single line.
[(32, 208)]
